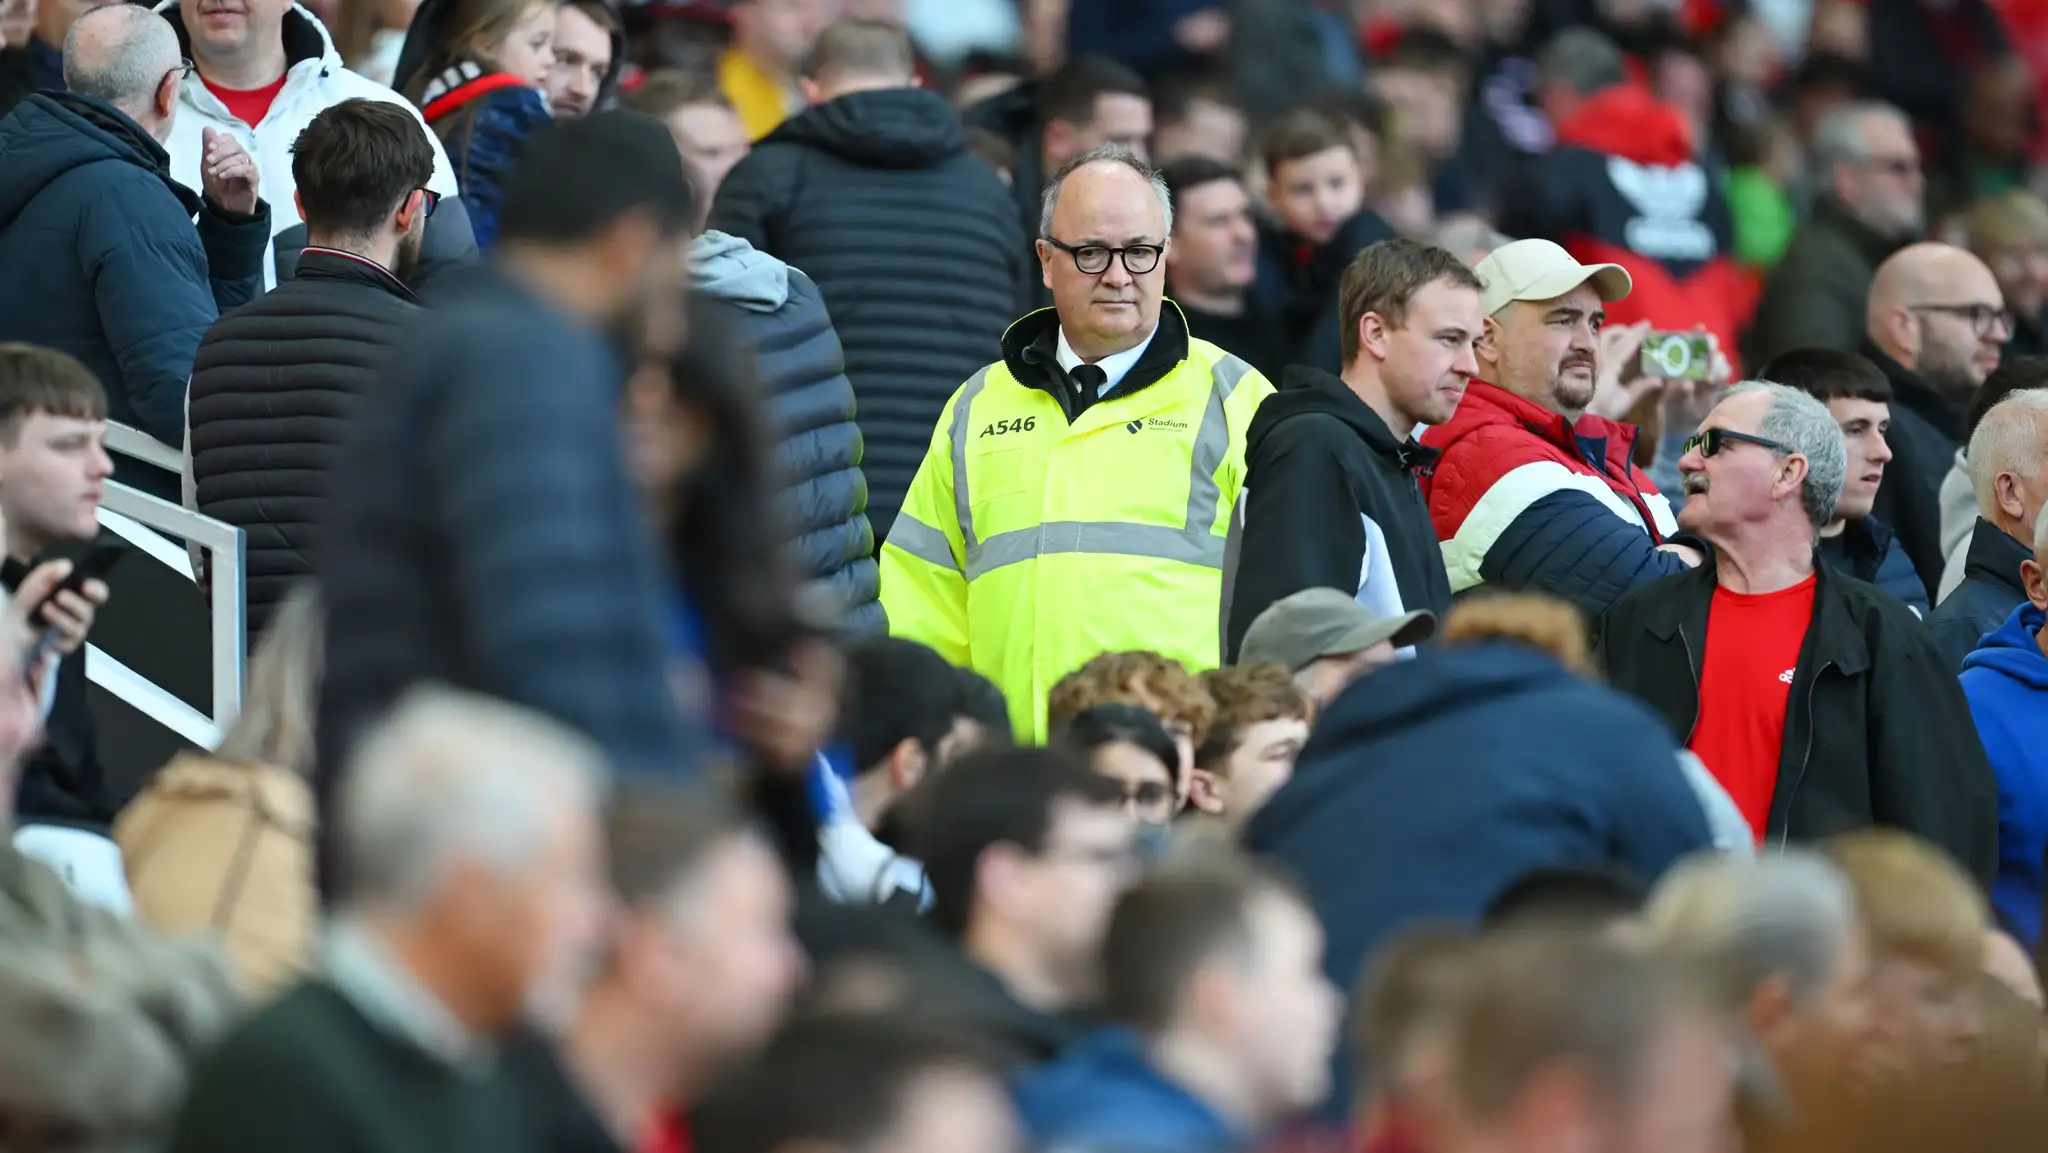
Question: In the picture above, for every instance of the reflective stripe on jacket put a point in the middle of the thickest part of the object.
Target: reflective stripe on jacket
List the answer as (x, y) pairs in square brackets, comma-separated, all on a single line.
[(1030, 543)]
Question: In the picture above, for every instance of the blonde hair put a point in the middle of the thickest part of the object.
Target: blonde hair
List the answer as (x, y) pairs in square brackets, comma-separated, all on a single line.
[(1531, 620), (1916, 902), (276, 723)]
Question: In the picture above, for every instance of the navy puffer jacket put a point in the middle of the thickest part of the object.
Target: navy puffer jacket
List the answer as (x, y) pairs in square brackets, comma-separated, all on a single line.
[(779, 313)]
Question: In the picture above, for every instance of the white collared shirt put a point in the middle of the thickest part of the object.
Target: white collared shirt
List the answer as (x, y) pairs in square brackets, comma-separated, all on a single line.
[(1115, 366)]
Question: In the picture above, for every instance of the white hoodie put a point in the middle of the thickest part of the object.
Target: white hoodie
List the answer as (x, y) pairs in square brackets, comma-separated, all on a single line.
[(315, 80)]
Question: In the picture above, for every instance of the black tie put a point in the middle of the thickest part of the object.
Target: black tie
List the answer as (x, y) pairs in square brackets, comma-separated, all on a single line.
[(1088, 381)]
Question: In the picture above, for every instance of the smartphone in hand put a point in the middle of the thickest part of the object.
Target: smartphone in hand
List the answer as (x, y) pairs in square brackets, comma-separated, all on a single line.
[(1677, 355)]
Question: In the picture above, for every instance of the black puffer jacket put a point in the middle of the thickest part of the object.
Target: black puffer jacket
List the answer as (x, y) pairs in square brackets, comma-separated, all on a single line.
[(779, 313), (273, 388), (914, 243)]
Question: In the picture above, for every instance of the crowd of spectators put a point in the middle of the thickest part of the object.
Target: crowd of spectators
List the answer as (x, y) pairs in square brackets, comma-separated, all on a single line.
[(955, 576)]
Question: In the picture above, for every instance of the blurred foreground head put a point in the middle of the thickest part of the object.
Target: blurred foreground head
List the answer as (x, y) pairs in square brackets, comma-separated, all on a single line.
[(600, 209), (857, 1084), (1220, 966), (1927, 922), (701, 963), (468, 834), (1568, 1042), (1783, 950)]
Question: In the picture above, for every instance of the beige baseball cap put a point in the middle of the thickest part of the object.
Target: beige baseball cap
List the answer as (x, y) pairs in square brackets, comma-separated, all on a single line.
[(1300, 629), (1542, 270)]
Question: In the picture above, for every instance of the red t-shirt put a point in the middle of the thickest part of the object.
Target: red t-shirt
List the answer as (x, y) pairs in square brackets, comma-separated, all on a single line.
[(1753, 642), (248, 105), (669, 1134)]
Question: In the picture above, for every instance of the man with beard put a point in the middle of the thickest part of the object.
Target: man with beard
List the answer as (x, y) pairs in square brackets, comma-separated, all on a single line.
[(484, 528), (1531, 491), (276, 379), (1819, 703), (1935, 322)]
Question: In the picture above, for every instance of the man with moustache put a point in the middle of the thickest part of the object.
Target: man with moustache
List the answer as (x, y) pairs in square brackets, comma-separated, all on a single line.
[(1076, 496), (276, 379), (1330, 497), (1531, 491), (1817, 701), (1935, 323)]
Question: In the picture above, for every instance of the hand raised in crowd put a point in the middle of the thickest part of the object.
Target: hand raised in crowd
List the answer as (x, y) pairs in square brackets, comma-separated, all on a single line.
[(786, 718), (1686, 402), (69, 613), (1621, 382), (227, 172)]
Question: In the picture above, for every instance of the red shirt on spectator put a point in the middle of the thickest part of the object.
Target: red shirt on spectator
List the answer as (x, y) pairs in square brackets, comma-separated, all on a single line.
[(669, 1134), (1753, 643), (248, 105)]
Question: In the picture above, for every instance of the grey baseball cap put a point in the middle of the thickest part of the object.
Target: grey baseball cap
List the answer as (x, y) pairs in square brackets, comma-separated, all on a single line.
[(1296, 631)]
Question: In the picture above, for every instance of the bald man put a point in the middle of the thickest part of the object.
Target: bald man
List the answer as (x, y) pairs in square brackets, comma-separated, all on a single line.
[(1077, 493), (1934, 323), (2006, 680), (123, 281)]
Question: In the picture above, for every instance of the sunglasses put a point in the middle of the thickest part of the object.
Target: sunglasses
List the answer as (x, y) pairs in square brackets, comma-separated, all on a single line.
[(1711, 441), (1147, 794), (429, 201)]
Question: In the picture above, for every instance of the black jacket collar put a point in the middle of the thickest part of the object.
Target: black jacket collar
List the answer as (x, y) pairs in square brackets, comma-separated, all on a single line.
[(1911, 390), (336, 266), (1995, 557), (1832, 639), (1030, 352), (1829, 214), (1335, 397)]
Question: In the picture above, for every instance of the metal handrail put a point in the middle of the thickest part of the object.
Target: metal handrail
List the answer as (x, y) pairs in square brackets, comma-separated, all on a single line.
[(149, 523)]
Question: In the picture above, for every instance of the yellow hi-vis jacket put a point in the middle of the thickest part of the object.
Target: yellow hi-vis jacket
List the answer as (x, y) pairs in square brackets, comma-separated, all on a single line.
[(1029, 544)]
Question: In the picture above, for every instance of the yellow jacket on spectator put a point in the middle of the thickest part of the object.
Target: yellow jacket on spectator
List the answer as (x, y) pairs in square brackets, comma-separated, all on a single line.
[(1029, 543)]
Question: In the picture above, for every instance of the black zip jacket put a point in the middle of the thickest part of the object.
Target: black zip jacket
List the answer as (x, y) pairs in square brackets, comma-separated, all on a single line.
[(1991, 589), (1876, 729), (1927, 429), (1330, 501)]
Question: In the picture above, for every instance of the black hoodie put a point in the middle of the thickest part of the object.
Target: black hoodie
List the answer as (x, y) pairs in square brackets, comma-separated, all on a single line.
[(1330, 501), (912, 241)]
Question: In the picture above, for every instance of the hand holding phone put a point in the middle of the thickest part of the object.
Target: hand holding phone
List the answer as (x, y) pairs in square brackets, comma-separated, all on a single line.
[(1677, 356)]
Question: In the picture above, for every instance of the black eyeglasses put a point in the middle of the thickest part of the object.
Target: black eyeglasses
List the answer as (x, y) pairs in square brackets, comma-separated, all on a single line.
[(1984, 319), (184, 70), (429, 200), (1146, 794), (1093, 259), (1713, 440), (1893, 165)]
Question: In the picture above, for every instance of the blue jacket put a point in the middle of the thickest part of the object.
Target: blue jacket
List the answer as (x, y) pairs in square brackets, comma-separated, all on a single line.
[(102, 258), (484, 133), (1429, 785), (1104, 1096), (1869, 550), (2006, 680), (780, 315)]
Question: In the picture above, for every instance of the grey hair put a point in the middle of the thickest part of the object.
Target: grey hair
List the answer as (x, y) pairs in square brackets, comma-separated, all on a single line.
[(1839, 138), (1787, 914), (1104, 154), (1583, 59), (126, 62), (453, 777), (1805, 426), (2010, 438), (276, 723)]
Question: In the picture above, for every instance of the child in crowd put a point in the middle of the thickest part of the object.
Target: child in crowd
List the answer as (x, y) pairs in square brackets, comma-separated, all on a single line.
[(1316, 184), (1261, 723)]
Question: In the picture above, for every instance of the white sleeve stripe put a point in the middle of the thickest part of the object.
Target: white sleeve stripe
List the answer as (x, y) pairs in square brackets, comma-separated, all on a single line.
[(1509, 498)]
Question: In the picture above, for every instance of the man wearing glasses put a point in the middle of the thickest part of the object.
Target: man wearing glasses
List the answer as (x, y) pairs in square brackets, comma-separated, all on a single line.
[(1076, 494), (1935, 325), (100, 244), (272, 379), (1819, 703)]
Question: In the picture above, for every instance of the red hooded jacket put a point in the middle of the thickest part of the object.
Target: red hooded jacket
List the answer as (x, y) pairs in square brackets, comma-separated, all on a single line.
[(1623, 186)]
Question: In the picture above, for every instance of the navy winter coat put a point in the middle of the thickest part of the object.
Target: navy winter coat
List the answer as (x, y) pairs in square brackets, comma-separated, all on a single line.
[(1431, 784), (778, 312), (1104, 1094), (102, 258)]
